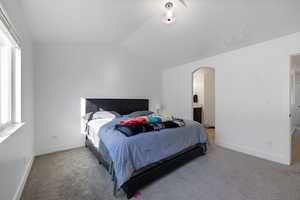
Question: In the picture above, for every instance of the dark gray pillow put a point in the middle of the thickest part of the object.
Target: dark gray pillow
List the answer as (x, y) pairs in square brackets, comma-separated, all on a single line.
[(140, 113), (98, 115)]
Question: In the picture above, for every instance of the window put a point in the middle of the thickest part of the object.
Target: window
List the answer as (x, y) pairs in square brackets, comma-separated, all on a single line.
[(10, 75)]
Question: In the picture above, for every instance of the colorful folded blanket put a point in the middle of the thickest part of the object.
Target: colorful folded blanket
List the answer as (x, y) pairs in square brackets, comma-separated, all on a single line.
[(153, 122), (153, 118), (135, 120), (134, 129)]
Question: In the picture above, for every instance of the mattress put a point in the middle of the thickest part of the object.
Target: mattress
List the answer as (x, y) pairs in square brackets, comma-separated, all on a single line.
[(94, 128)]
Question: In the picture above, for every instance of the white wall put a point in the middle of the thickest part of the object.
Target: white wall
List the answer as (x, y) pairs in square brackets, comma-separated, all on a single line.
[(252, 96), (66, 73), (16, 152)]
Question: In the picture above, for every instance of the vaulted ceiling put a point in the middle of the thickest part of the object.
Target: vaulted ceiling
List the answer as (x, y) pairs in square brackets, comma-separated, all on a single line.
[(204, 28)]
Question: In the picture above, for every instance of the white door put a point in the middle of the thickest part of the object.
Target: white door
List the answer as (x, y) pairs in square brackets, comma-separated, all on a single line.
[(297, 102)]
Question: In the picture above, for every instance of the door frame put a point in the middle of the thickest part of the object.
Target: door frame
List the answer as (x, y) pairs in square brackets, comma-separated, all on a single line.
[(296, 125), (292, 94), (192, 91)]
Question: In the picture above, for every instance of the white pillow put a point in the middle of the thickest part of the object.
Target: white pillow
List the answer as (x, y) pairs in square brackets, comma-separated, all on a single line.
[(103, 115)]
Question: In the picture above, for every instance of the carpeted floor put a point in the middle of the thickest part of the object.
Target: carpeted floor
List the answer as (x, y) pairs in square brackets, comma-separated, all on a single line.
[(220, 175)]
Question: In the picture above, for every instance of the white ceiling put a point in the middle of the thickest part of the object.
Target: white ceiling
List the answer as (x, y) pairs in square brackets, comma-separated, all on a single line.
[(205, 28)]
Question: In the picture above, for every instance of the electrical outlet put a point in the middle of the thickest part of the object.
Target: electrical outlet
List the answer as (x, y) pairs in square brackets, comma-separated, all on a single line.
[(54, 137)]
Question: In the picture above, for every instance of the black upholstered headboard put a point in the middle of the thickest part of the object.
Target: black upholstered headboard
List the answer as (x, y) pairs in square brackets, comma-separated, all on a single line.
[(121, 106)]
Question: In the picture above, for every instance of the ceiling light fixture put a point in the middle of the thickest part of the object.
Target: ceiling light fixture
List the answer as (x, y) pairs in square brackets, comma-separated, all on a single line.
[(169, 15)]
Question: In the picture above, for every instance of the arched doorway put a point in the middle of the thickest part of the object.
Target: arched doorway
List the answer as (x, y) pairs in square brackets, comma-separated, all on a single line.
[(203, 104)]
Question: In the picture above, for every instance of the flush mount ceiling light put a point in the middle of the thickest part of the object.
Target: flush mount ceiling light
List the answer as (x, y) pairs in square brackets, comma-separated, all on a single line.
[(169, 14)]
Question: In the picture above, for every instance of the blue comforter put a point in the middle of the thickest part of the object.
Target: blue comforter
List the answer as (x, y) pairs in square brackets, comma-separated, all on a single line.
[(129, 154)]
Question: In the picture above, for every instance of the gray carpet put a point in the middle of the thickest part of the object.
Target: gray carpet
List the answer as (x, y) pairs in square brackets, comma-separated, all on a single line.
[(220, 175)]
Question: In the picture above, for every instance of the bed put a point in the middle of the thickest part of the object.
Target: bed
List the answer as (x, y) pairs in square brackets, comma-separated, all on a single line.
[(137, 161)]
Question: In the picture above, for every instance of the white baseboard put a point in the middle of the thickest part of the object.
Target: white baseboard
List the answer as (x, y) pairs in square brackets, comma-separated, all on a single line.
[(264, 155), (20, 189), (57, 149)]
